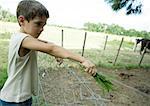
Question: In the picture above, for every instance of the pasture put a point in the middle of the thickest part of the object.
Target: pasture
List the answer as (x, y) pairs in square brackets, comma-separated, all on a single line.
[(69, 85)]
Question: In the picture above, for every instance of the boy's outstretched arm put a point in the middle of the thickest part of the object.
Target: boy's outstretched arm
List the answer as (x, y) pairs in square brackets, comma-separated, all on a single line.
[(57, 51)]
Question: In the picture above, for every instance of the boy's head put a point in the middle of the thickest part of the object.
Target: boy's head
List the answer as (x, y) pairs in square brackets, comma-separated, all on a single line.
[(30, 9), (32, 17)]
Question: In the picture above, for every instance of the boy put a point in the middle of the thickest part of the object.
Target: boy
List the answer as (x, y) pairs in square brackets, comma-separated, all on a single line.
[(22, 71)]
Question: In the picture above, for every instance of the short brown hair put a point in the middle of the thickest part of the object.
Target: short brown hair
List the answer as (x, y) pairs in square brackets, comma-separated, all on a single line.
[(30, 9)]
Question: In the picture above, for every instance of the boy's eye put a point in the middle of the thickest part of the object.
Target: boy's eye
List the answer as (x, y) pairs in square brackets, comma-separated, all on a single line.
[(38, 24)]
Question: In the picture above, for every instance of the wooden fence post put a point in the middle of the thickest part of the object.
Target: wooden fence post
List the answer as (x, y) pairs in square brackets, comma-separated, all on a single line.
[(105, 42), (135, 46), (62, 37), (118, 51), (84, 43)]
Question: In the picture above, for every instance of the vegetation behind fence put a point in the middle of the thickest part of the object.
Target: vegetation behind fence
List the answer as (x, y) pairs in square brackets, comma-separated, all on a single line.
[(115, 29)]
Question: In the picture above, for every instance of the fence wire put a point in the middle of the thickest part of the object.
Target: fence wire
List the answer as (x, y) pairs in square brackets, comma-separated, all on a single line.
[(64, 86)]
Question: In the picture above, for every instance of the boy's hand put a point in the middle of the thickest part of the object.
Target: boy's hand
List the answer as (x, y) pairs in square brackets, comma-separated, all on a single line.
[(59, 60), (89, 67)]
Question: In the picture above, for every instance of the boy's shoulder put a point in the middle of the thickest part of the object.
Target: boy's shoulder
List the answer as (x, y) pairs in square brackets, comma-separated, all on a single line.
[(20, 34), (15, 37)]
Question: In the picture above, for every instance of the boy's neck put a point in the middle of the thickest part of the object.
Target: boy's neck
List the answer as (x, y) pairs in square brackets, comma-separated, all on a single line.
[(22, 31)]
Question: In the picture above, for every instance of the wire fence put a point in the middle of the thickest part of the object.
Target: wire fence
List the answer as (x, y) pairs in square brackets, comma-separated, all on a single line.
[(64, 86)]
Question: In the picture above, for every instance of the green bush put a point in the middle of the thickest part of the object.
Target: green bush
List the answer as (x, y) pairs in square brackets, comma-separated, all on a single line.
[(3, 75)]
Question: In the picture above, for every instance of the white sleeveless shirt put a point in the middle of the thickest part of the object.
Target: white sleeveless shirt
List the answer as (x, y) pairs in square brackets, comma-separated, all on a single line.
[(22, 72)]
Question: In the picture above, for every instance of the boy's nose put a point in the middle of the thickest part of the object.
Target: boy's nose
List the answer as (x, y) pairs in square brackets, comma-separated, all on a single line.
[(41, 29)]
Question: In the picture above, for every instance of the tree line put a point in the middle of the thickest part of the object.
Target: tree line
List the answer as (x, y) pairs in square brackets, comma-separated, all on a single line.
[(7, 16), (115, 29)]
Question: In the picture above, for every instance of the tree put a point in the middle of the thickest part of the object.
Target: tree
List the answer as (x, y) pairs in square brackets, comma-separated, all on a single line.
[(5, 15), (132, 6)]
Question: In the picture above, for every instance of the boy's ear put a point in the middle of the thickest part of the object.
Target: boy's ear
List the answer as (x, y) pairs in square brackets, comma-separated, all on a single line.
[(21, 19)]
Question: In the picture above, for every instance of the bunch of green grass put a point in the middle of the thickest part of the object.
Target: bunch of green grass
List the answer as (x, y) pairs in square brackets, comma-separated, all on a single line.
[(106, 84), (102, 80)]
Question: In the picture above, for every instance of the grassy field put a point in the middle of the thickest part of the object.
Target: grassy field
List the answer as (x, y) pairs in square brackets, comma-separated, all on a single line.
[(136, 78), (73, 40), (4, 42)]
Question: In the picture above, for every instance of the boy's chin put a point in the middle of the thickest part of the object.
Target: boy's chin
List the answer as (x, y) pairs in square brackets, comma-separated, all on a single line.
[(36, 35)]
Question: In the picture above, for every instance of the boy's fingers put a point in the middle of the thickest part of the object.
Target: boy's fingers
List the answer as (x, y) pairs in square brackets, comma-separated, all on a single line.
[(89, 67), (91, 70), (94, 72), (86, 70)]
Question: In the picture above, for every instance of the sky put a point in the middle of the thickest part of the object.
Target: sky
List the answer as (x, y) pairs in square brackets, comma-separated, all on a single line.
[(75, 13)]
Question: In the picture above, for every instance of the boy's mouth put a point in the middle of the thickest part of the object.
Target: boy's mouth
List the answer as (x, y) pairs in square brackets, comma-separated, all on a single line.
[(38, 33)]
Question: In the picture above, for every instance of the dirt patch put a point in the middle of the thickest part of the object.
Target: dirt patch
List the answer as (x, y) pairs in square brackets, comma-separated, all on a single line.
[(144, 89), (66, 87), (71, 87), (132, 87)]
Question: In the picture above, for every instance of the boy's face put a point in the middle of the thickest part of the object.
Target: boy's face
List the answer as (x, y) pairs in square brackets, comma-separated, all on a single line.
[(34, 27)]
